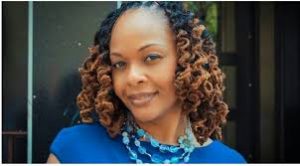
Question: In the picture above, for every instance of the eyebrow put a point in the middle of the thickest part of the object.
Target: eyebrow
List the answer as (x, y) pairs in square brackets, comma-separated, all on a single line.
[(148, 45), (139, 50)]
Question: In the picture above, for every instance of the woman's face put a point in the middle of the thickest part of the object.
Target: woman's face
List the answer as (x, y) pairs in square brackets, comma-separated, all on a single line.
[(143, 56)]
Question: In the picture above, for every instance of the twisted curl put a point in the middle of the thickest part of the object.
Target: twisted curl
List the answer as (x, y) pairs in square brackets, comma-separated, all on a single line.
[(198, 82)]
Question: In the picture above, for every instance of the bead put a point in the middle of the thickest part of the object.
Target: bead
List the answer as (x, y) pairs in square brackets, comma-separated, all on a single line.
[(138, 161), (181, 145), (186, 149), (140, 132), (137, 142), (174, 160), (124, 134), (173, 149), (180, 140), (186, 141), (186, 146), (154, 143), (156, 158), (186, 159), (126, 140), (142, 150), (132, 155), (129, 128), (163, 148)]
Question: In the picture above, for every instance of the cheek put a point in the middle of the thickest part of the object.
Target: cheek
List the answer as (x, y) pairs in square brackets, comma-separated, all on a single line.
[(170, 69), (117, 84), (167, 77)]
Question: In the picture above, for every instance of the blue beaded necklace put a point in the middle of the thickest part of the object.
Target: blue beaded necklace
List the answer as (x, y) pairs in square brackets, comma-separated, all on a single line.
[(131, 138)]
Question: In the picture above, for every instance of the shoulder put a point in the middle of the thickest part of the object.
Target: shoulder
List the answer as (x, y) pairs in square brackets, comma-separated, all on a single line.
[(218, 152), (82, 129), (78, 140), (80, 132), (229, 152)]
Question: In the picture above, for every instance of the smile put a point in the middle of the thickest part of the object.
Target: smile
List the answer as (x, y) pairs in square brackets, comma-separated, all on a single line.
[(141, 99)]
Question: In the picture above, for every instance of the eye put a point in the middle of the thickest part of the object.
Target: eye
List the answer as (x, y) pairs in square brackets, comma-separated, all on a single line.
[(119, 65), (152, 57)]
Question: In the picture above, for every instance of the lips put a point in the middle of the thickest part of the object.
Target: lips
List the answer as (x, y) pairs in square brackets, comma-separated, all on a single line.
[(141, 99)]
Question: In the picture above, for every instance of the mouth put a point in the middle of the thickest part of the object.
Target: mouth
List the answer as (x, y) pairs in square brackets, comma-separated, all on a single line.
[(141, 99)]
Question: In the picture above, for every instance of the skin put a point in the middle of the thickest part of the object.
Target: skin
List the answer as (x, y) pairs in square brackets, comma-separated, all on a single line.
[(52, 159), (143, 55)]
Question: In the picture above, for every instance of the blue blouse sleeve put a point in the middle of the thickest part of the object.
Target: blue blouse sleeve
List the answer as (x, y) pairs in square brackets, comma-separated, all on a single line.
[(80, 143), (237, 157), (58, 144)]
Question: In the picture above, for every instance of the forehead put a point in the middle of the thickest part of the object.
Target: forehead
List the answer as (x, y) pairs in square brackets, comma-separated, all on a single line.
[(141, 26)]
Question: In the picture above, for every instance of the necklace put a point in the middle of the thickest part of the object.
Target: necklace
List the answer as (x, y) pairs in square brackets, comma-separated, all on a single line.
[(131, 139)]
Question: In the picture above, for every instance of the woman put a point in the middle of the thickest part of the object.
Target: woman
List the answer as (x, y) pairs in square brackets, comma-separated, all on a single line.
[(152, 92)]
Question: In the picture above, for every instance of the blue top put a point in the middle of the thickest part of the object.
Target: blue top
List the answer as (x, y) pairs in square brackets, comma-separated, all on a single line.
[(90, 143)]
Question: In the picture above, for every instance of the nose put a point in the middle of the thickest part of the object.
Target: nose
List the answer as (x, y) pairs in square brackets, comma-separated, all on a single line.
[(136, 76)]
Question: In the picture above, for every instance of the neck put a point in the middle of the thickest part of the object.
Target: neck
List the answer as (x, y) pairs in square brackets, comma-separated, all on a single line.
[(168, 128)]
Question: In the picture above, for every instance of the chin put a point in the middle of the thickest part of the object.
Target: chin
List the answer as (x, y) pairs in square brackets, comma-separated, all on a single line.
[(144, 115)]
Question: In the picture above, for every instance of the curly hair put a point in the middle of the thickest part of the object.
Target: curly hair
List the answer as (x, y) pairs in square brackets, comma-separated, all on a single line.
[(198, 81)]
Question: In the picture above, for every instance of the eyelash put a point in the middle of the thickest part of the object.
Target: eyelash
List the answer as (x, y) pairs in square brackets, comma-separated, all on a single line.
[(115, 66), (151, 56), (156, 56)]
